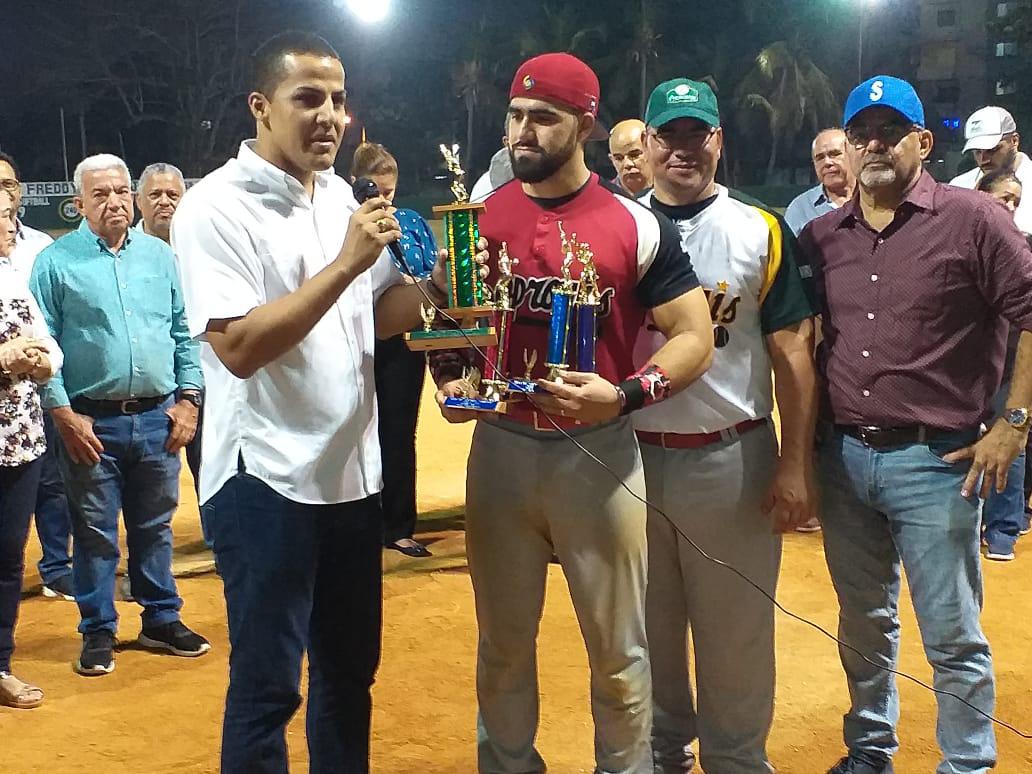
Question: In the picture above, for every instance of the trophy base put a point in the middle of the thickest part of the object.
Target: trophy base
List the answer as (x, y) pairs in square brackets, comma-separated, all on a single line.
[(476, 404), (424, 341), (524, 387), (467, 315)]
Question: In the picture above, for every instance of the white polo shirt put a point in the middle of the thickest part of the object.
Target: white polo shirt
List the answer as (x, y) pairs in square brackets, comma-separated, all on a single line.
[(28, 243), (304, 424), (1023, 171)]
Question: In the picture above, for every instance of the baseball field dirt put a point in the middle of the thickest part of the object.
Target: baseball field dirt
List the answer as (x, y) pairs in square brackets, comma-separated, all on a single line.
[(162, 715)]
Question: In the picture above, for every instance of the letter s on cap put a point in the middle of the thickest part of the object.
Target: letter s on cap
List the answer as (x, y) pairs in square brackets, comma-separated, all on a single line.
[(877, 91)]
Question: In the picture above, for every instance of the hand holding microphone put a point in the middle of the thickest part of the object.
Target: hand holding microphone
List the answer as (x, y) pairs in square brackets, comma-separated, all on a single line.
[(370, 229)]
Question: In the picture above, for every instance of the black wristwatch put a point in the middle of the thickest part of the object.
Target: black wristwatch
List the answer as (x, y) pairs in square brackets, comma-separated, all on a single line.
[(191, 396)]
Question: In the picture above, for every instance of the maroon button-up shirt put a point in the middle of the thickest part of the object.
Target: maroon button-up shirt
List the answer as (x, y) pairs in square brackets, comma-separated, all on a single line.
[(915, 318)]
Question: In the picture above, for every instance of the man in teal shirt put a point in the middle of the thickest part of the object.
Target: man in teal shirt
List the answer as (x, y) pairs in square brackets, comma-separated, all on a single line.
[(125, 402)]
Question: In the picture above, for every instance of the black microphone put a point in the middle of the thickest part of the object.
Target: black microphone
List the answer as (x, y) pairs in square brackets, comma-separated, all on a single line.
[(366, 189)]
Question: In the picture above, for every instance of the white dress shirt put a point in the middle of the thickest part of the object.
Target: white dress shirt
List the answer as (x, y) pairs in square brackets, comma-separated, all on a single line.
[(305, 424), (28, 242), (1023, 171)]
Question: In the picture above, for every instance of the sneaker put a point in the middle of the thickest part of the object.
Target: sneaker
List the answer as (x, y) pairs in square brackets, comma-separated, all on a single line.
[(60, 588), (125, 590), (1026, 524), (176, 638), (851, 765), (98, 654), (999, 553), (809, 527)]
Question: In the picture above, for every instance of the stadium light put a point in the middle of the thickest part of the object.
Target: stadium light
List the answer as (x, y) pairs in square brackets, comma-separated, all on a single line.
[(369, 11)]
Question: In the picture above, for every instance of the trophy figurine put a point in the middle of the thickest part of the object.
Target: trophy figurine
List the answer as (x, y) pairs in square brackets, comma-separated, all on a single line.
[(467, 298)]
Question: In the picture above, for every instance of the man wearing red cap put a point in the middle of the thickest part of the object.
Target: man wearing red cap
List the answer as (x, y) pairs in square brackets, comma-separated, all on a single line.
[(529, 492)]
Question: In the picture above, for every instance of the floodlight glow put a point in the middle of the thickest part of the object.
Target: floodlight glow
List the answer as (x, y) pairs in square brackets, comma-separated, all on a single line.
[(369, 11)]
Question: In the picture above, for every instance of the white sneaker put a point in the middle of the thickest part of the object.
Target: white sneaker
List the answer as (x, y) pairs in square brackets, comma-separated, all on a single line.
[(1000, 556)]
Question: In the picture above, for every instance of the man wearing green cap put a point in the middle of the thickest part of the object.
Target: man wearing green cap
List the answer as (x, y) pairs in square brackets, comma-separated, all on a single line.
[(710, 455)]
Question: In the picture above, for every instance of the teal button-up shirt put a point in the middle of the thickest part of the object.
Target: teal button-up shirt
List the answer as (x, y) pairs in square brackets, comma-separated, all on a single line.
[(119, 318)]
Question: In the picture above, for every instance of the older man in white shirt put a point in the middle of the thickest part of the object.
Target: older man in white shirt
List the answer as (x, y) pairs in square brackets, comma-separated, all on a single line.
[(282, 285), (991, 135)]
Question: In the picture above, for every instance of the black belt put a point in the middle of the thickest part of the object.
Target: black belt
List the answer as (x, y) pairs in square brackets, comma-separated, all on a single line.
[(884, 437), (114, 408)]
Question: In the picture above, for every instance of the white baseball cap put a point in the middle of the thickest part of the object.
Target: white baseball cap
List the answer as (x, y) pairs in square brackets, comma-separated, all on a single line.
[(986, 127)]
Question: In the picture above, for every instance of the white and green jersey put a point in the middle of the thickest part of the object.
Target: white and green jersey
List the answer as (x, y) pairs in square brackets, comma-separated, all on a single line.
[(745, 257)]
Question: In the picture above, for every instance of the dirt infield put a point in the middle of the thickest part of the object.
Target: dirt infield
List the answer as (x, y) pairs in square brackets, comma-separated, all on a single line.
[(159, 715)]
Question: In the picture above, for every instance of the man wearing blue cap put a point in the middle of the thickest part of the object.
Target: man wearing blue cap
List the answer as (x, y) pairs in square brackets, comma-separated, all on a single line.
[(917, 282)]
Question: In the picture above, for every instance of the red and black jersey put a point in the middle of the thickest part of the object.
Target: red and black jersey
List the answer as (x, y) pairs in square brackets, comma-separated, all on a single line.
[(638, 256)]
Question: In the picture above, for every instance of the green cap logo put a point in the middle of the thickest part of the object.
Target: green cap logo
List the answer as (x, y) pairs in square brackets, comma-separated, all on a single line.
[(682, 94)]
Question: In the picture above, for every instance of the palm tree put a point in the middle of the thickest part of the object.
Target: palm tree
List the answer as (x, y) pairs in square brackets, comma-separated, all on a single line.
[(468, 80), (560, 29), (790, 92)]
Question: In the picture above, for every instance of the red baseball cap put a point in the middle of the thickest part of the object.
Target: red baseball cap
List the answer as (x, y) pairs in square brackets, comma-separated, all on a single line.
[(561, 78)]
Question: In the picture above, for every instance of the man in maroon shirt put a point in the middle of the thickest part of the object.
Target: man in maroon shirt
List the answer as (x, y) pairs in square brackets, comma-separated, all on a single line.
[(917, 282), (529, 491)]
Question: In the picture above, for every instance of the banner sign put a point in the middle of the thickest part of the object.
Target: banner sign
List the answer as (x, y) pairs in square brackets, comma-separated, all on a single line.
[(49, 205)]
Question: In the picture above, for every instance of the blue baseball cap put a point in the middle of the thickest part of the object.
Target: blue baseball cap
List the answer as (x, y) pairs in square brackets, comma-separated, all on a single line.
[(885, 91)]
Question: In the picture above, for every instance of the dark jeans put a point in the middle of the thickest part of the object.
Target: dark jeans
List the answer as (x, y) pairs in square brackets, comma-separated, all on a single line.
[(297, 578), (399, 385), (53, 521), (17, 494), (193, 453), (139, 477)]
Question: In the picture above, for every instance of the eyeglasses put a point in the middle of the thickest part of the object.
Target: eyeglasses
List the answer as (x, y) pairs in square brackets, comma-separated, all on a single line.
[(890, 134), (10, 184), (692, 140)]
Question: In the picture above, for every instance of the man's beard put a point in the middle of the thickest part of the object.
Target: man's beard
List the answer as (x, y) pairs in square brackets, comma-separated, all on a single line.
[(538, 167), (1009, 162), (878, 177)]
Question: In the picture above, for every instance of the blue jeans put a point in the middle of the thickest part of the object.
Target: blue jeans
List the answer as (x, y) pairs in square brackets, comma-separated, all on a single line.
[(139, 477), (1004, 514), (881, 509), (53, 521), (297, 578), (17, 492)]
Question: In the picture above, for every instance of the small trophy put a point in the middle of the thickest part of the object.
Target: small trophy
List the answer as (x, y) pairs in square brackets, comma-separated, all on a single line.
[(488, 394), (467, 299)]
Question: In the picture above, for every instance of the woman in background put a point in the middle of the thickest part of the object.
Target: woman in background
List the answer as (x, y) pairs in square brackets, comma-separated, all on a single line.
[(29, 356), (399, 371), (1005, 515)]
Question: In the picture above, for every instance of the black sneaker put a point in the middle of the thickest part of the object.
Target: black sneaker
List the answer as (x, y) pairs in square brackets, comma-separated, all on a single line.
[(98, 656), (851, 765), (176, 638), (60, 588)]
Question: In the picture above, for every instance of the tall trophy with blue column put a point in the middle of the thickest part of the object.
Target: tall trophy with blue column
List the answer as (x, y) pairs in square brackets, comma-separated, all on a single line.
[(467, 319)]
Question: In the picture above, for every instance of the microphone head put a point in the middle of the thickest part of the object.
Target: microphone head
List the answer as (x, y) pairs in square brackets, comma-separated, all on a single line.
[(365, 189)]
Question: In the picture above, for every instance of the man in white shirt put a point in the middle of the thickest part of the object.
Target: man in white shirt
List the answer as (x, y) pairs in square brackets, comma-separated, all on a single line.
[(53, 521), (992, 136), (27, 241), (158, 193), (282, 285)]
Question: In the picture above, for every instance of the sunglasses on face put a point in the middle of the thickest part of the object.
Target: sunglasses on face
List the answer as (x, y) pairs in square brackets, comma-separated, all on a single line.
[(889, 134)]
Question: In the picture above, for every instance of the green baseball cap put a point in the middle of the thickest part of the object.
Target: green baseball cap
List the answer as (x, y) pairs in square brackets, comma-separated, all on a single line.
[(682, 98)]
